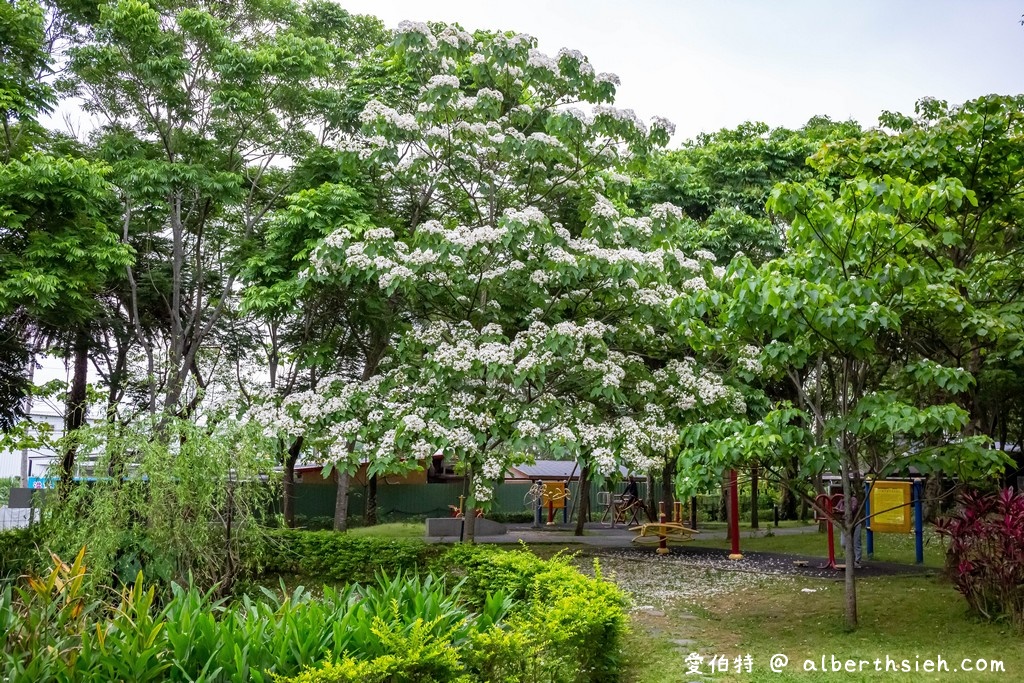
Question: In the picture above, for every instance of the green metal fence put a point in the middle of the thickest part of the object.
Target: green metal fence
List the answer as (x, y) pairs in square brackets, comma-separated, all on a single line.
[(416, 500)]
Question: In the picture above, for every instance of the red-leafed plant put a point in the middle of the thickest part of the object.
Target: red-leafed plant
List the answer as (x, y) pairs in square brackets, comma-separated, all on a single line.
[(986, 553)]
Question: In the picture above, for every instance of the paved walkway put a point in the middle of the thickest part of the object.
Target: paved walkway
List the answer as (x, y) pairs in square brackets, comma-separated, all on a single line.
[(596, 534), (603, 540)]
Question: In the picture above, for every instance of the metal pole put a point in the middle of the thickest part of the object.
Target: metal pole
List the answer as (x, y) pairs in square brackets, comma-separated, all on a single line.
[(693, 512), (662, 540), (917, 489), (867, 519), (831, 536), (734, 515)]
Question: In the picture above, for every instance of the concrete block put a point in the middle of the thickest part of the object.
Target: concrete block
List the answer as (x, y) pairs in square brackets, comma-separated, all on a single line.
[(452, 527)]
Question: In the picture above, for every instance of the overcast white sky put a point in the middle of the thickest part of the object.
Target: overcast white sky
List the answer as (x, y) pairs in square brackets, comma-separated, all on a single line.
[(713, 64)]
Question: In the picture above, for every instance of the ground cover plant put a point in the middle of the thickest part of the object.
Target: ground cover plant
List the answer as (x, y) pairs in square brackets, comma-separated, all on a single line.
[(482, 616)]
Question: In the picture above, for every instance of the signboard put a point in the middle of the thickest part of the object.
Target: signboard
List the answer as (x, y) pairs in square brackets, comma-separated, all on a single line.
[(555, 493), (890, 506)]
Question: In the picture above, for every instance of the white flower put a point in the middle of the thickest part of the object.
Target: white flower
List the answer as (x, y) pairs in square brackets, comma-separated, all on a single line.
[(375, 110), (413, 423), (420, 28), (604, 208), (704, 255), (528, 429), (666, 211), (492, 469), (482, 492), (443, 81), (664, 124), (538, 60), (695, 284), (489, 94), (374, 234)]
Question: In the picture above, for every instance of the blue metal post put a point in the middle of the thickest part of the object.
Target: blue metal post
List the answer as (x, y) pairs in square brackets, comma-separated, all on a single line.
[(867, 519), (918, 492)]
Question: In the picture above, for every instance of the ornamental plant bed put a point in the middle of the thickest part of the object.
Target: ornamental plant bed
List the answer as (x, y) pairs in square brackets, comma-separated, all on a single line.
[(480, 615)]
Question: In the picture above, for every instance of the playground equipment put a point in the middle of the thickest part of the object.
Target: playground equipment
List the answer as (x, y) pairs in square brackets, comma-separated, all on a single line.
[(457, 510), (734, 516), (664, 530), (826, 504), (552, 495), (887, 509), (621, 509)]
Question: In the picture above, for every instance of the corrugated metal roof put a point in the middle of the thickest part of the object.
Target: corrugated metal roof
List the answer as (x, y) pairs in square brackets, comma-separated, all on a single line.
[(551, 469)]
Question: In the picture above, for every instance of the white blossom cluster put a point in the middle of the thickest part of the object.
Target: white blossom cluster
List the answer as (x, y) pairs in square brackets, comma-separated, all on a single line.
[(418, 27), (374, 111), (750, 359), (518, 323)]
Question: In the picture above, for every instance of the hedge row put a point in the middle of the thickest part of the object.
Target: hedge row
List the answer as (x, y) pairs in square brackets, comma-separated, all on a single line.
[(330, 557)]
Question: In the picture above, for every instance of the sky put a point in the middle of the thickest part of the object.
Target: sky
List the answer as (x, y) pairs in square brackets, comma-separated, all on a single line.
[(717, 63)]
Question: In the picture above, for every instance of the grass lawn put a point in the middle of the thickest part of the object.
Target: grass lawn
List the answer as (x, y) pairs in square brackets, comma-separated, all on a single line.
[(910, 618), (745, 526), (888, 547)]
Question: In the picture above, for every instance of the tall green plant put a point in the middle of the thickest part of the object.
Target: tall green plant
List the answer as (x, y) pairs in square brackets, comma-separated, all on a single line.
[(184, 504)]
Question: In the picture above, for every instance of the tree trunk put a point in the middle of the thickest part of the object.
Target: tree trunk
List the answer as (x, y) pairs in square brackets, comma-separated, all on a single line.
[(753, 497), (849, 580), (723, 505), (790, 502), (288, 485), (933, 497), (370, 513), (652, 504), (469, 512), (75, 411), (373, 355), (668, 486), (341, 501), (584, 493)]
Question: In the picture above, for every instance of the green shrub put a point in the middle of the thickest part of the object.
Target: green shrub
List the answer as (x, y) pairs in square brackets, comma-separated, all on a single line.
[(562, 626), (331, 557), (190, 503), (576, 622), (19, 552), (6, 484)]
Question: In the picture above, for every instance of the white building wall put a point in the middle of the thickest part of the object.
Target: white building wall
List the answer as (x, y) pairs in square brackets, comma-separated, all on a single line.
[(36, 461)]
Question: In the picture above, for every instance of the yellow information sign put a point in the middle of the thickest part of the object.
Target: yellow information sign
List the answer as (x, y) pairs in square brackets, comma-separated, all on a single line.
[(556, 493), (890, 506)]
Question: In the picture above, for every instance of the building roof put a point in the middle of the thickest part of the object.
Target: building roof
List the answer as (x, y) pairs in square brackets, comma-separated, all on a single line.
[(551, 469)]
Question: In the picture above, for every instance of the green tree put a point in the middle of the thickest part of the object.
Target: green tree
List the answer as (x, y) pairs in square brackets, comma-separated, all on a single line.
[(722, 180), (205, 105), (833, 315), (973, 317)]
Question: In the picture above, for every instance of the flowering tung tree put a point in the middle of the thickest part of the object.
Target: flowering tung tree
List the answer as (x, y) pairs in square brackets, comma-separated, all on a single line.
[(536, 308)]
